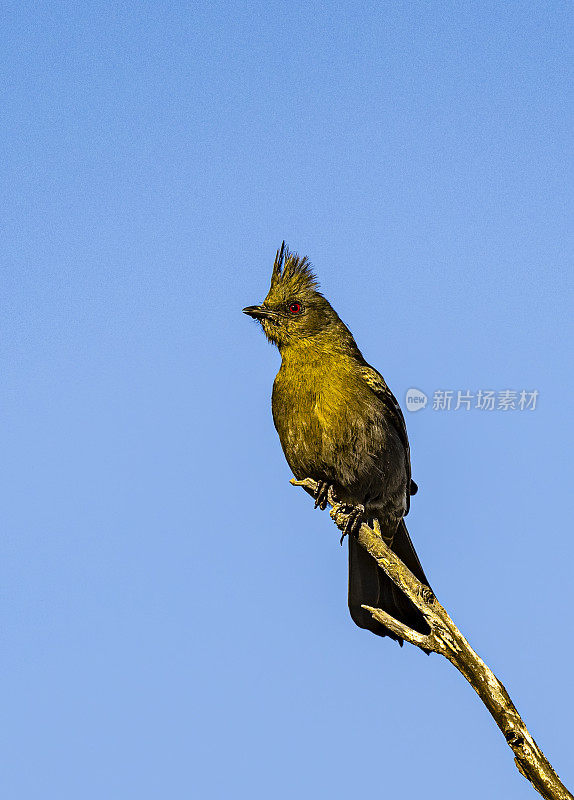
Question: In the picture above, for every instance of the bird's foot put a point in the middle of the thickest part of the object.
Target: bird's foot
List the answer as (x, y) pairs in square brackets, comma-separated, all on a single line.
[(321, 494), (354, 519)]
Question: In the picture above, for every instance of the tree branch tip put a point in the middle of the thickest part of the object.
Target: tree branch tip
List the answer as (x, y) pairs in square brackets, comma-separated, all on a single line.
[(305, 482)]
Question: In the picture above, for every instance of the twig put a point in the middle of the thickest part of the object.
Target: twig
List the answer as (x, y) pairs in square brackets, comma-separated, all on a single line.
[(446, 639)]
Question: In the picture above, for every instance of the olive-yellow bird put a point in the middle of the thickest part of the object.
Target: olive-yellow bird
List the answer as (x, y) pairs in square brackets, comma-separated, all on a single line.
[(340, 424)]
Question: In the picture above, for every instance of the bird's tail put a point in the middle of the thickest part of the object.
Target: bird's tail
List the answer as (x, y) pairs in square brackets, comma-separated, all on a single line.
[(370, 585)]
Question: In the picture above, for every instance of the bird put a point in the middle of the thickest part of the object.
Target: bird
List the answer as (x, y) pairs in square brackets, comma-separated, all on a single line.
[(339, 424)]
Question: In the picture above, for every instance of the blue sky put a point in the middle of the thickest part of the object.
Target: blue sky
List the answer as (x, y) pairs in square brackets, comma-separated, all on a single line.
[(174, 613)]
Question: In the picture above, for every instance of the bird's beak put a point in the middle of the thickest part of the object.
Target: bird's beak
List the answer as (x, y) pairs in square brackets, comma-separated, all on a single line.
[(258, 312)]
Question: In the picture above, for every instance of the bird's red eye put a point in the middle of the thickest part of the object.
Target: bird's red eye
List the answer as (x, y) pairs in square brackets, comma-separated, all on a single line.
[(295, 308)]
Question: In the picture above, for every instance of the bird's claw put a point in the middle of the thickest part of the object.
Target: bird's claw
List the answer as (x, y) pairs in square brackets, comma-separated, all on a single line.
[(322, 494), (354, 520)]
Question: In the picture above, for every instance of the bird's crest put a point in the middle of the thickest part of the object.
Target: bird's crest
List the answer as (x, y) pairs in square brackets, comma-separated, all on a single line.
[(292, 272)]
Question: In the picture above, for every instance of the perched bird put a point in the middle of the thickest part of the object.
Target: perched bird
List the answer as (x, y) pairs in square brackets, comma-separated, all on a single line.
[(340, 424)]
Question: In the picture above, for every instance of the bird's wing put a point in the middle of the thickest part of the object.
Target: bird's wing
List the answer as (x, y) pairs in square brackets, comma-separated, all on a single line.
[(376, 383)]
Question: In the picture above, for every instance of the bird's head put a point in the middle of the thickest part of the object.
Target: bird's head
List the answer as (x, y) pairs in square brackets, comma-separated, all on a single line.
[(294, 311)]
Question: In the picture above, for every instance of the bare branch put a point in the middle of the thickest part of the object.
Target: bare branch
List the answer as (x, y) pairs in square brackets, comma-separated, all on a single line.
[(402, 630), (446, 639)]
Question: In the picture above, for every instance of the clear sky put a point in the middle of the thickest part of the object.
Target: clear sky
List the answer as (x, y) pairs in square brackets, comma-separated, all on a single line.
[(174, 613)]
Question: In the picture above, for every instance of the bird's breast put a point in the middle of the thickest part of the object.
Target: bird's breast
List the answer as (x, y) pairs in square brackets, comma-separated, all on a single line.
[(329, 425)]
